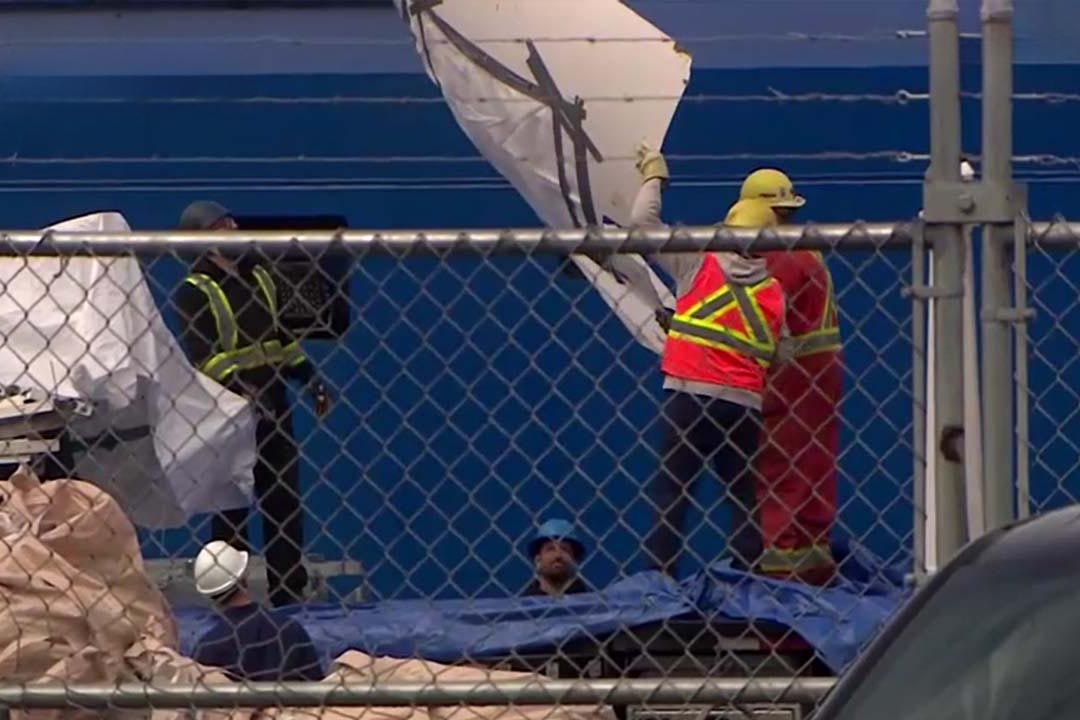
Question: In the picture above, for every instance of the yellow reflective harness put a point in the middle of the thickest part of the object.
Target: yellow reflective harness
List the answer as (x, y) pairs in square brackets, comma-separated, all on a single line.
[(231, 358), (826, 338), (698, 324), (780, 560)]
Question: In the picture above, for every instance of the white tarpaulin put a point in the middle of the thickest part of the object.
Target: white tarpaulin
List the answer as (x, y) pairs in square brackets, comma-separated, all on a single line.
[(557, 95), (87, 327)]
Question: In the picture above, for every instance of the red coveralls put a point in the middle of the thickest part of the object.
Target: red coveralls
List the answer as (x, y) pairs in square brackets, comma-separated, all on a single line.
[(796, 478)]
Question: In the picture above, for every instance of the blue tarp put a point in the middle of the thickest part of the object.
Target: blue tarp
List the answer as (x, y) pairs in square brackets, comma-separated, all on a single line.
[(837, 621)]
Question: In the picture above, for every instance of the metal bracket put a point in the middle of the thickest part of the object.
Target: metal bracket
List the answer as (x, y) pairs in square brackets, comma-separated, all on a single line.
[(968, 203), (927, 292), (1010, 315)]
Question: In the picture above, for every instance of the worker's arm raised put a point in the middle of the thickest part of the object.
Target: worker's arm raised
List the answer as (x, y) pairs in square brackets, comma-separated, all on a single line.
[(645, 214)]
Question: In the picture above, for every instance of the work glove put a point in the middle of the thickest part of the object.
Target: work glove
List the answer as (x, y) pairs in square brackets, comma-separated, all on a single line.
[(651, 164)]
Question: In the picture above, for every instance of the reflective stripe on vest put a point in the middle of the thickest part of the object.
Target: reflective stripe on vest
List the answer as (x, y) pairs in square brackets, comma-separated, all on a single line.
[(219, 307), (826, 338), (781, 560), (230, 358), (696, 326)]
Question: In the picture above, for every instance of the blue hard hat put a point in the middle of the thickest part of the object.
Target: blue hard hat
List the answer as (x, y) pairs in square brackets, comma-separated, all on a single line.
[(557, 529)]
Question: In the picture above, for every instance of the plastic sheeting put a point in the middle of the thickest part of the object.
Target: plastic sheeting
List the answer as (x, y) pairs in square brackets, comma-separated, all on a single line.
[(837, 621), (165, 440), (557, 95)]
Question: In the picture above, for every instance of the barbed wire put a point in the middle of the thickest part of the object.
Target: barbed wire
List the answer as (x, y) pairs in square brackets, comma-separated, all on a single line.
[(772, 95), (1048, 160), (406, 41), (901, 156), (294, 185), (901, 97)]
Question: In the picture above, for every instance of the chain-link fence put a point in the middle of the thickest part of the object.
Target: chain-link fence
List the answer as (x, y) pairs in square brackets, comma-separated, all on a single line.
[(1046, 385), (487, 472), (450, 397)]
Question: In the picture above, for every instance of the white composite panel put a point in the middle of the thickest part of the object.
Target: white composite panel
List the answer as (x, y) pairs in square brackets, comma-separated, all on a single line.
[(499, 65)]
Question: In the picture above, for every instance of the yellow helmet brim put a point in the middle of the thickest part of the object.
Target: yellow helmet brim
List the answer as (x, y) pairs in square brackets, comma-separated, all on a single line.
[(792, 202)]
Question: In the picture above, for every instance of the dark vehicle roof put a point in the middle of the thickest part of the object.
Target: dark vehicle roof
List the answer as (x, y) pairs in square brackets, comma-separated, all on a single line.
[(1034, 540), (1043, 546)]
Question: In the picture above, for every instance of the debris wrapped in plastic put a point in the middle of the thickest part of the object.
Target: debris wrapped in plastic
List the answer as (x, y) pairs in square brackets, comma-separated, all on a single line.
[(32, 421), (165, 440)]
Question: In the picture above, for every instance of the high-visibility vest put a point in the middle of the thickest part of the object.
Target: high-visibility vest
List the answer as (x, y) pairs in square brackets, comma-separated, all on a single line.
[(724, 334), (791, 561), (825, 336), (230, 357)]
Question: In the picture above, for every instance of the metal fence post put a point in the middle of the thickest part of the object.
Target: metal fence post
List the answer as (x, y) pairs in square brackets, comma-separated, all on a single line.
[(997, 370), (1023, 481), (947, 239), (918, 391)]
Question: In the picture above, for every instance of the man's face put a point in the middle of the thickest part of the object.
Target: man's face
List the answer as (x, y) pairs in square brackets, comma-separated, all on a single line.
[(556, 561), (225, 223)]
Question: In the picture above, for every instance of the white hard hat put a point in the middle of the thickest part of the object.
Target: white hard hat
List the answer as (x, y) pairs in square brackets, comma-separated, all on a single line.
[(219, 567), (967, 172)]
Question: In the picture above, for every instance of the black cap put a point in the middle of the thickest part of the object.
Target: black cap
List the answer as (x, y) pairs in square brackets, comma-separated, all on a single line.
[(202, 215)]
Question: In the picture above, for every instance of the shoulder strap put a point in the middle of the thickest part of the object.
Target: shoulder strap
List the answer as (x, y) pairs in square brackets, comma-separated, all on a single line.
[(220, 307), (269, 290)]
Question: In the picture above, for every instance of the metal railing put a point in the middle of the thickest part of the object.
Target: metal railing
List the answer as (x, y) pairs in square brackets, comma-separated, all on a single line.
[(539, 691), (487, 241)]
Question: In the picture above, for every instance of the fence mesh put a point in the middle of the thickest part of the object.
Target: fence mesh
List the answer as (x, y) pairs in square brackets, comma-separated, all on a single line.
[(398, 481), (1052, 371), (470, 398)]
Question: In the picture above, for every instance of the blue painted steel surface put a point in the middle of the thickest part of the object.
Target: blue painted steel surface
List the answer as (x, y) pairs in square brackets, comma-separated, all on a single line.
[(450, 441)]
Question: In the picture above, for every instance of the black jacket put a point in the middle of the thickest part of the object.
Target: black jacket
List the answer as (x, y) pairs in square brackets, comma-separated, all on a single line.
[(259, 645), (254, 323)]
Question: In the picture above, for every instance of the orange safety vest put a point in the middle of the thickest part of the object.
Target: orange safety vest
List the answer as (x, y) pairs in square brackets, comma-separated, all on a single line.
[(724, 334)]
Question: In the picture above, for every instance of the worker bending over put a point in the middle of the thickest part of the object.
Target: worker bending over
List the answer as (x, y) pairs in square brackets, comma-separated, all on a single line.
[(797, 462), (232, 333), (721, 341), (246, 640), (556, 552)]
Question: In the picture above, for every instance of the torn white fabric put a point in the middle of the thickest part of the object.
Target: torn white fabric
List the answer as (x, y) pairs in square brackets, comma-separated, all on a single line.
[(88, 328), (557, 96)]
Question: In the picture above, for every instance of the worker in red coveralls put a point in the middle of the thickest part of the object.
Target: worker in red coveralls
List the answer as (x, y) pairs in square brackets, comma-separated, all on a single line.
[(796, 468)]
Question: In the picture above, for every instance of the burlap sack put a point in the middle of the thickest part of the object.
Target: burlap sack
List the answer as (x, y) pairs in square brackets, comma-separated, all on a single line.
[(459, 673), (356, 667), (74, 595), (150, 660)]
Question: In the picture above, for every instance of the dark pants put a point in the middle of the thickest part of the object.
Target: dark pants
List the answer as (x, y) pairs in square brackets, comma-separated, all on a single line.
[(277, 492), (696, 431)]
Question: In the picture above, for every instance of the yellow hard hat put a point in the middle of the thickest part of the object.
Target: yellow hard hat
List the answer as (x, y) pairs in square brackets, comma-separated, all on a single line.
[(772, 185), (752, 213)]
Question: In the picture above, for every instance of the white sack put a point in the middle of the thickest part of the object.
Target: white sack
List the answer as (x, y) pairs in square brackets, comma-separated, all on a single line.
[(628, 75), (88, 327)]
